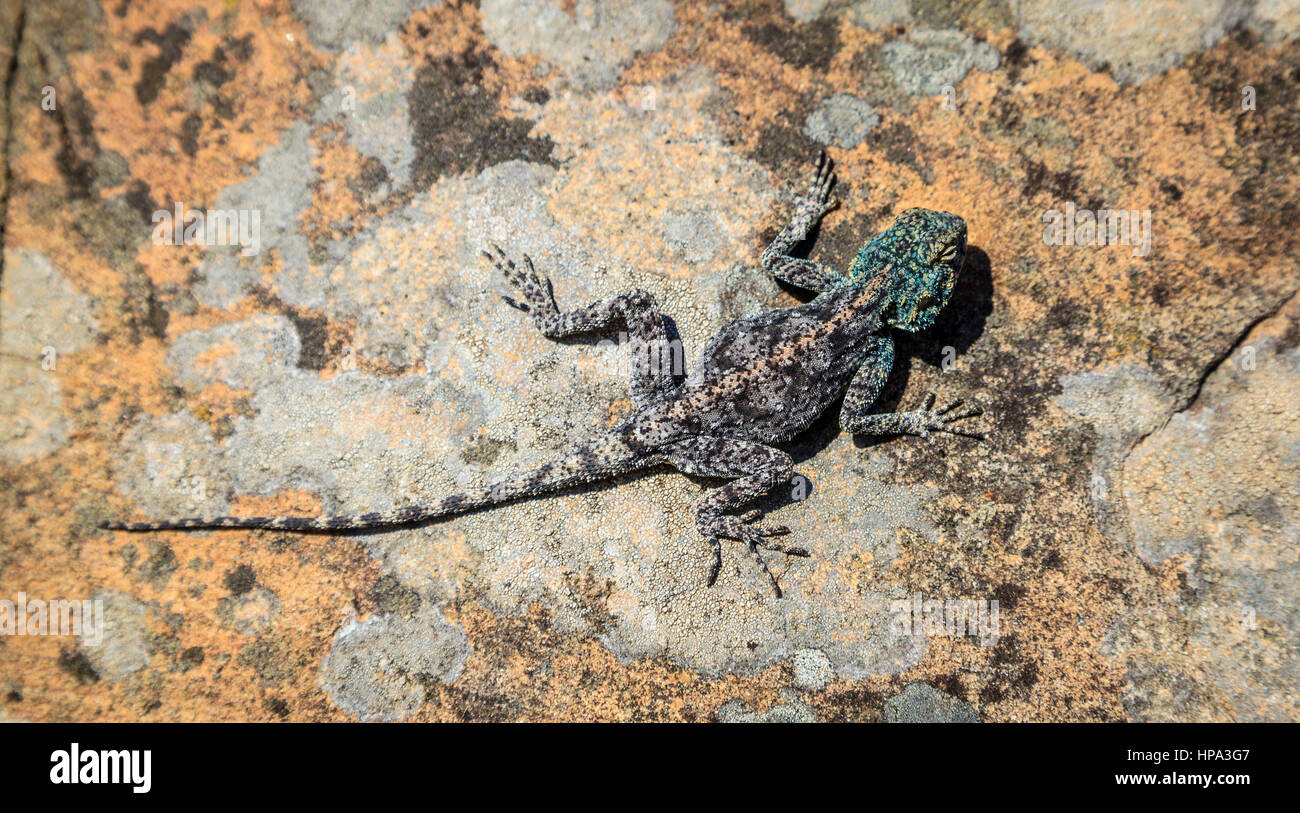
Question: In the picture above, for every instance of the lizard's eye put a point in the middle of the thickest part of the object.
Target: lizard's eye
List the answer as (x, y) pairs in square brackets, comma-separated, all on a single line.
[(948, 254)]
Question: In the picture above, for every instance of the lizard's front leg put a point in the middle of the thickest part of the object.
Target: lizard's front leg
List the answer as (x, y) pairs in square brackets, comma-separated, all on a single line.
[(809, 209), (865, 388), (655, 357), (759, 469)]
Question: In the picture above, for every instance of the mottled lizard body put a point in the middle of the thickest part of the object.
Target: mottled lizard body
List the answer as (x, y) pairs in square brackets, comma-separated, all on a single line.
[(759, 382)]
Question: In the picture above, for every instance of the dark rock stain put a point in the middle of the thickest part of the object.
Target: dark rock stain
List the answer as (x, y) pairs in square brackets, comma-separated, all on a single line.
[(456, 127), (240, 580), (1038, 178), (810, 45), (191, 657), (783, 148), (1267, 147), (1015, 58), (160, 565), (854, 705), (394, 598), (190, 129), (171, 42), (75, 663), (138, 197), (316, 347), (277, 706), (902, 147)]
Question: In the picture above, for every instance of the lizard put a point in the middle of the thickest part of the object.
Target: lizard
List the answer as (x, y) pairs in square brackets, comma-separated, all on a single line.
[(759, 382)]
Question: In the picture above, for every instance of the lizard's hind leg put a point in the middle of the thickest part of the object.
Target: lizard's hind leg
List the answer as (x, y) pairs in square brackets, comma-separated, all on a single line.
[(758, 470), (655, 357)]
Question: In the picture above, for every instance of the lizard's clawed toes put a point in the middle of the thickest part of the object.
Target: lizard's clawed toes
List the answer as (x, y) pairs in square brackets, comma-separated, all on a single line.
[(534, 288), (755, 537), (817, 201), (942, 420), (716, 568), (750, 517), (788, 550), (824, 180)]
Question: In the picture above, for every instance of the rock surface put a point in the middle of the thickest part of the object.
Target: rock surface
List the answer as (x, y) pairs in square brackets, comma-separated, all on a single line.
[(842, 121), (1134, 512), (922, 703)]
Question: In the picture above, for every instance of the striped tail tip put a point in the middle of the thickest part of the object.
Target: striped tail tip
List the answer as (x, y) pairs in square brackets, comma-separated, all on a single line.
[(108, 525)]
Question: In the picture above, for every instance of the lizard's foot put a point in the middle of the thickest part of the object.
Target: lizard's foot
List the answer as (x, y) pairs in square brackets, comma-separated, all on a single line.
[(534, 288), (755, 537), (929, 419), (818, 200)]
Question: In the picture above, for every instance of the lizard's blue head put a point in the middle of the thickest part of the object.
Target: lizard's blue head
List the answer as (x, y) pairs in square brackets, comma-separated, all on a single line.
[(923, 252)]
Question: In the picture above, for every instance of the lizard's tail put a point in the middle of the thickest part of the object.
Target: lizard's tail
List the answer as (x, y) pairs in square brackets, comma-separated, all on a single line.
[(598, 460)]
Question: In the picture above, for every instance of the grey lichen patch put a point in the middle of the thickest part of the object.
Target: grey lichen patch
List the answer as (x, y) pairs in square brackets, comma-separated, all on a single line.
[(517, 204), (693, 233), (869, 14), (1136, 39), (32, 423), (805, 10), (279, 192), (1124, 403), (371, 99), (249, 613), (360, 441), (42, 318), (812, 670), (877, 14), (240, 355), (792, 710), (379, 669), (281, 187), (841, 121), (123, 650), (169, 467), (928, 60), (1276, 21), (837, 601), (591, 42), (222, 280), (1217, 486), (333, 24), (393, 322), (922, 703), (671, 158), (40, 308), (315, 434)]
